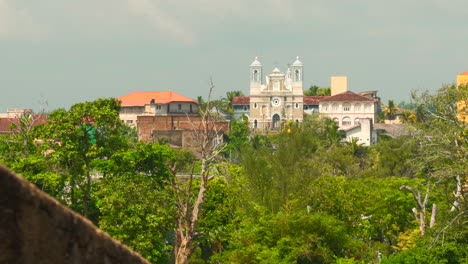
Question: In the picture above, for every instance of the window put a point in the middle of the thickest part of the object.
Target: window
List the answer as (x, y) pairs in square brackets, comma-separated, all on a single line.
[(367, 107), (129, 121), (190, 108), (357, 107), (356, 121), (346, 107), (179, 107), (335, 107), (245, 108), (255, 105), (255, 75), (298, 76), (325, 107), (158, 107), (346, 121), (306, 107), (255, 123), (276, 85), (297, 105)]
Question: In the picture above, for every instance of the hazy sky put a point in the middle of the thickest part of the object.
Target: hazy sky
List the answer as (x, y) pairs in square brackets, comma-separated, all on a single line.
[(54, 53)]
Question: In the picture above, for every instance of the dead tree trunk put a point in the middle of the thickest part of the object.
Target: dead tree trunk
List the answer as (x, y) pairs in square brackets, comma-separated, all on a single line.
[(189, 207), (420, 210)]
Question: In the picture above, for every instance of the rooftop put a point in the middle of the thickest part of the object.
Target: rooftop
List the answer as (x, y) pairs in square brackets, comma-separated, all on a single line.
[(348, 96), (241, 100), (144, 98), (5, 123), (313, 100)]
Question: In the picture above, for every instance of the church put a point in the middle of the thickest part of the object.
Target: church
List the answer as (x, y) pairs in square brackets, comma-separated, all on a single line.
[(280, 98), (277, 100)]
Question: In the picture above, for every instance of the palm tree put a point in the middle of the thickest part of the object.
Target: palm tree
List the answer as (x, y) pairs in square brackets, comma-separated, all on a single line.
[(390, 110)]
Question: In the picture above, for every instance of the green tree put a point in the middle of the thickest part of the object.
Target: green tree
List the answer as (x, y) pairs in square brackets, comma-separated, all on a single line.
[(314, 90), (76, 139), (238, 138), (134, 210)]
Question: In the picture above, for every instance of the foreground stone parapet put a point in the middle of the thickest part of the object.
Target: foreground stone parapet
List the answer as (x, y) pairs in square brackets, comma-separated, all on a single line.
[(35, 228)]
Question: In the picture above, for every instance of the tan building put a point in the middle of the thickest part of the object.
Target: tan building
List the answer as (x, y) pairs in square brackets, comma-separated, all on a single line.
[(161, 103), (279, 99)]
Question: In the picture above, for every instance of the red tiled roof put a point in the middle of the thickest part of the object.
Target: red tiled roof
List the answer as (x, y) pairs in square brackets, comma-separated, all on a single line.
[(313, 100), (465, 73), (5, 123), (348, 96), (143, 98), (241, 100)]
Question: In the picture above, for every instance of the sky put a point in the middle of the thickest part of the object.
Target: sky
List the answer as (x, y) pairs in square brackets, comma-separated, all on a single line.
[(55, 53)]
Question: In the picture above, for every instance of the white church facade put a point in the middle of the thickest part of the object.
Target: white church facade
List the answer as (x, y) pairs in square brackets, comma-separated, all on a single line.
[(280, 98)]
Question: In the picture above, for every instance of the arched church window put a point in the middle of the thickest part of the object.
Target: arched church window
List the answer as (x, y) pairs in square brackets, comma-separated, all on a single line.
[(356, 121), (255, 75), (255, 123), (346, 121), (298, 75), (367, 107), (357, 107), (297, 105), (346, 107)]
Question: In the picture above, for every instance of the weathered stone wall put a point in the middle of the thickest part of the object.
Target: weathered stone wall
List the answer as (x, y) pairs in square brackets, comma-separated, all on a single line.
[(35, 228)]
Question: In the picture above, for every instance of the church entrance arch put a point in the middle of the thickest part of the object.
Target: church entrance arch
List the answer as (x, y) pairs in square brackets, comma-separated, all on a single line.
[(275, 122)]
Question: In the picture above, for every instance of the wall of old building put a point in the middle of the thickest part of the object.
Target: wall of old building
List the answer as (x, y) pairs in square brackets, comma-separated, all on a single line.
[(35, 228)]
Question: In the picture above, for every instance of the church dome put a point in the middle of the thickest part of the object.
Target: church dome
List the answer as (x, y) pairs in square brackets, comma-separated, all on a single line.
[(255, 63), (297, 62)]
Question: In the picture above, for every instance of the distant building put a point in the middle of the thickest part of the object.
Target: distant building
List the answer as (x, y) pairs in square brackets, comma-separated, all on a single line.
[(462, 79), (281, 98), (364, 132), (277, 100), (348, 108), (165, 103), (168, 116), (462, 106), (179, 131), (16, 112), (9, 121)]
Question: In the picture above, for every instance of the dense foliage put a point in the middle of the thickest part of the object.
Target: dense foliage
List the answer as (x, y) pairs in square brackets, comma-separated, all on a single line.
[(302, 195)]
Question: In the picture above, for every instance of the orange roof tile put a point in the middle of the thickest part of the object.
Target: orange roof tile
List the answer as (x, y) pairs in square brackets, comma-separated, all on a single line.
[(465, 73), (143, 98)]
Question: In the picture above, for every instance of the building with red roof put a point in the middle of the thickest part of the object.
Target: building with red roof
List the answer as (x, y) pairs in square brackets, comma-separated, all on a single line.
[(281, 99), (9, 125), (159, 103)]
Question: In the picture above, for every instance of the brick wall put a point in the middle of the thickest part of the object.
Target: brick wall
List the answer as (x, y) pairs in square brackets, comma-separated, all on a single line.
[(147, 124)]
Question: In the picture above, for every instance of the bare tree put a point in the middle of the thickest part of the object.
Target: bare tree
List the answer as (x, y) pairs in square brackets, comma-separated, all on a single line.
[(189, 205), (420, 210)]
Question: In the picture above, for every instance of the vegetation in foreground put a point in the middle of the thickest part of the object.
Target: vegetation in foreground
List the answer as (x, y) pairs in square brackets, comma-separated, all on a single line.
[(299, 196)]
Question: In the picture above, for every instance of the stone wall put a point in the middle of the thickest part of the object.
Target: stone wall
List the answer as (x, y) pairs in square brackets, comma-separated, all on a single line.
[(148, 124), (35, 228)]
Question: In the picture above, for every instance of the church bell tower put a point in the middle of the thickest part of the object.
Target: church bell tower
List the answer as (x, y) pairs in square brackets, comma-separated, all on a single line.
[(255, 73)]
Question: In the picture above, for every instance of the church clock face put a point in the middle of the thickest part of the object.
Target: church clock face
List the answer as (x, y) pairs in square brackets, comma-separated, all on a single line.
[(275, 101)]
